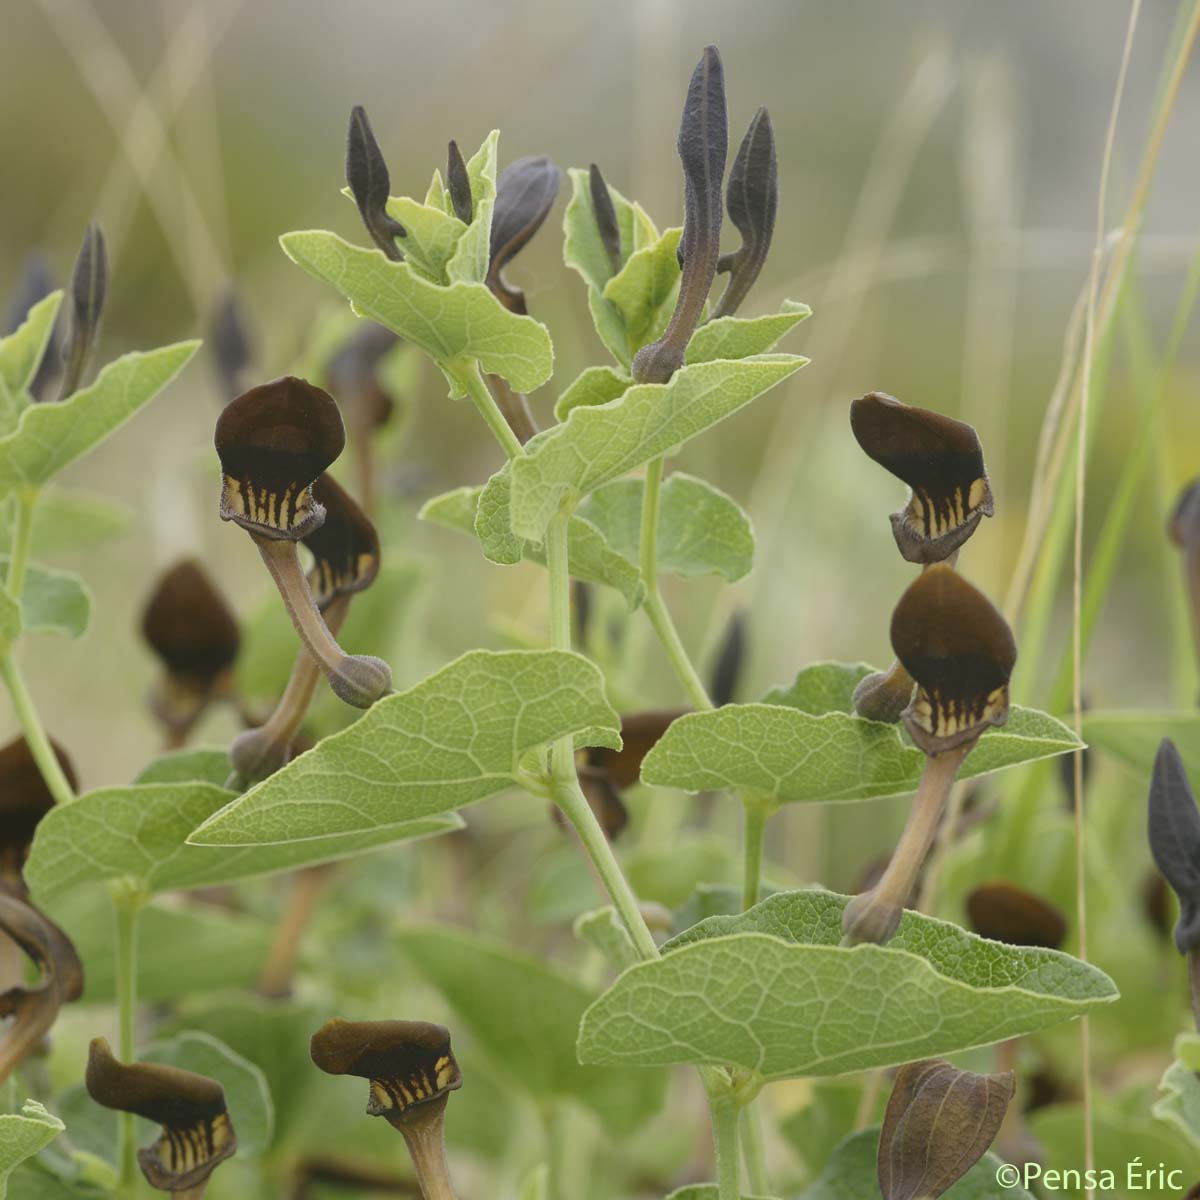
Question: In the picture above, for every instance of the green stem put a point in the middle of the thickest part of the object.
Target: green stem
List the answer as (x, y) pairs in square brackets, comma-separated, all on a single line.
[(564, 782), (127, 904), (656, 610), (756, 810), (570, 798), (681, 664), (35, 732), (474, 385), (752, 1152), (725, 1117), (22, 535)]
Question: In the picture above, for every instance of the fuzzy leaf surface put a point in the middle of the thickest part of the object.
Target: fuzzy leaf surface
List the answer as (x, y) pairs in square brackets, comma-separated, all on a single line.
[(591, 557), (22, 1135), (821, 688), (21, 354), (451, 324), (526, 1014), (771, 991), (794, 757), (742, 337), (701, 530), (597, 445), (850, 1175), (142, 832), (592, 387), (451, 740), (49, 437), (52, 601)]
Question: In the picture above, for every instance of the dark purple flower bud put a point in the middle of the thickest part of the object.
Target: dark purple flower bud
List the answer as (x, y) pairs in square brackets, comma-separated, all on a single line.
[(525, 194), (458, 184), (232, 351), (367, 175), (703, 145), (751, 200), (89, 285), (1175, 840), (606, 217)]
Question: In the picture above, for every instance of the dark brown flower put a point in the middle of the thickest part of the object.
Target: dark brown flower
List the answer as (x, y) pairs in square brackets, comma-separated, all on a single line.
[(408, 1063), (197, 1134), (939, 1123), (24, 801), (273, 442), (941, 461), (961, 652), (195, 636), (1003, 912), (346, 555), (33, 1008), (412, 1071), (345, 546)]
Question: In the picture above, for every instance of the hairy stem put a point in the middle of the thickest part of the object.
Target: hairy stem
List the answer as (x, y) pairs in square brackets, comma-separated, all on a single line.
[(514, 407), (473, 384), (756, 810), (725, 1118), (127, 903), (874, 916), (426, 1145), (35, 732), (656, 610), (22, 535), (752, 1152)]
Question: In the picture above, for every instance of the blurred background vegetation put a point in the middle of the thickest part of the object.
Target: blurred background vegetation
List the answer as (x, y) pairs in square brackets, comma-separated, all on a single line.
[(939, 162)]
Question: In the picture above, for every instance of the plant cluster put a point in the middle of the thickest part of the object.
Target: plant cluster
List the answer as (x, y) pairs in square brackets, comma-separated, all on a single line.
[(745, 984)]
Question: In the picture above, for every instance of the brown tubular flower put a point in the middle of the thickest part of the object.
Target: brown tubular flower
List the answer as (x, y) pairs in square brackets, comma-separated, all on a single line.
[(353, 379), (24, 801), (89, 285), (606, 217), (273, 442), (346, 558), (197, 1134), (232, 349), (458, 184), (751, 199), (941, 461), (703, 145), (33, 1008), (938, 1125), (367, 175), (412, 1071), (195, 636), (1003, 912), (961, 653), (525, 193)]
